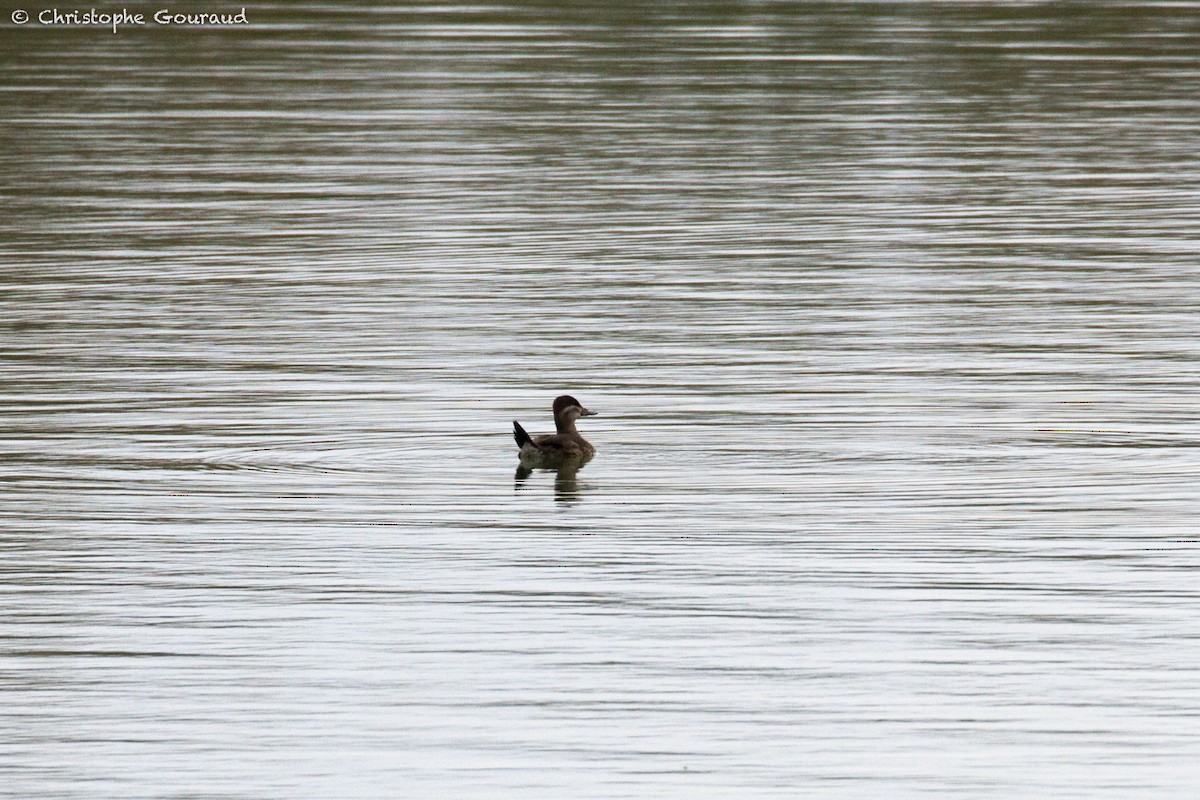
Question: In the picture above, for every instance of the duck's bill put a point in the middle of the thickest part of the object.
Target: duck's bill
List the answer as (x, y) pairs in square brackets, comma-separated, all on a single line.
[(587, 413)]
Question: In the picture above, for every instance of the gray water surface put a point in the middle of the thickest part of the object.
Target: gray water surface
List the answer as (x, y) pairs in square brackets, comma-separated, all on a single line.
[(889, 311)]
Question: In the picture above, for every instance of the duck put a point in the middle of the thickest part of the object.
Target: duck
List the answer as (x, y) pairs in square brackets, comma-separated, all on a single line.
[(564, 445)]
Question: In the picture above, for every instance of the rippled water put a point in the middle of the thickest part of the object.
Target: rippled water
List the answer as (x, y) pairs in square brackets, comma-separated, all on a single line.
[(889, 310)]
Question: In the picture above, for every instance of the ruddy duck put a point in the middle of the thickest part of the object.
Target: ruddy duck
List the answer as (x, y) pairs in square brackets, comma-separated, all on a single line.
[(564, 445)]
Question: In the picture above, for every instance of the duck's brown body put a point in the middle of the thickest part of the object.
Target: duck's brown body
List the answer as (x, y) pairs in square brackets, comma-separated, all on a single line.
[(557, 445), (566, 444)]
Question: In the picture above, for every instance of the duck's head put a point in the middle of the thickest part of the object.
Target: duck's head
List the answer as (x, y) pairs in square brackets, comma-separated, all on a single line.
[(567, 409)]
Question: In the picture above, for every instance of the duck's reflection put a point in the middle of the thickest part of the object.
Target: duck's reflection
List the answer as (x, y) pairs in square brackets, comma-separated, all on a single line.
[(566, 484)]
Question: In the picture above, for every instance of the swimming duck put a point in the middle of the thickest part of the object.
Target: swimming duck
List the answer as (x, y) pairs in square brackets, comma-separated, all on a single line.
[(566, 444)]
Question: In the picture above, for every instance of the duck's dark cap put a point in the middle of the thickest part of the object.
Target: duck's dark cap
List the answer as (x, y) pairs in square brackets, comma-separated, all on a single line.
[(565, 401)]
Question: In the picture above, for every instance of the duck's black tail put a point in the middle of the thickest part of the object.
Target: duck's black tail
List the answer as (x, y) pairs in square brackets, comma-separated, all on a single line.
[(520, 435)]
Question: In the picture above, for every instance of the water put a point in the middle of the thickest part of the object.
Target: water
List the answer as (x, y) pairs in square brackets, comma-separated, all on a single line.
[(889, 311)]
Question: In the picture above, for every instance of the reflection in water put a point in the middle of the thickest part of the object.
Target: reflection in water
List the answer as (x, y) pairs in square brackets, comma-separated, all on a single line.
[(566, 486)]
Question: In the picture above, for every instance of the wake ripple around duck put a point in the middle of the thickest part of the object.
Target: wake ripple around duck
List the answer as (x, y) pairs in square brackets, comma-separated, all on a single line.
[(362, 454)]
